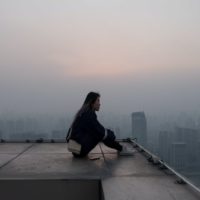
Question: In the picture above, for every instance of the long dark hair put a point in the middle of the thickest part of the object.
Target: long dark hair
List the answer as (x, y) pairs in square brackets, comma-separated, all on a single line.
[(87, 105)]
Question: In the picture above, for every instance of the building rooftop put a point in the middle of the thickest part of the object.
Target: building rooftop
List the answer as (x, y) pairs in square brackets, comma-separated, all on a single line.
[(120, 177)]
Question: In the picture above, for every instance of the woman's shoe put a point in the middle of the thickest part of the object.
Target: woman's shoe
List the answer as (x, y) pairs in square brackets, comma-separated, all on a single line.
[(126, 151)]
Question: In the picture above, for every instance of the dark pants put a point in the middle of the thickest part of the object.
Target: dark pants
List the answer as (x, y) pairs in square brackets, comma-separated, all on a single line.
[(85, 149)]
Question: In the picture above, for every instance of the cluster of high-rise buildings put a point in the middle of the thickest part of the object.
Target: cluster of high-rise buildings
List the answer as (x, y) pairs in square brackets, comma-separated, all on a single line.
[(180, 147), (32, 129)]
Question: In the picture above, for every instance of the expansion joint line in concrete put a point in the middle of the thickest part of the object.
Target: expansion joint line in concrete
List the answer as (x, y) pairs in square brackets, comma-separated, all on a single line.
[(9, 161)]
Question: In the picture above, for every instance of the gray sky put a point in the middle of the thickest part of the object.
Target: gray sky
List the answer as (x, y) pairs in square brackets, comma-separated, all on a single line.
[(139, 54)]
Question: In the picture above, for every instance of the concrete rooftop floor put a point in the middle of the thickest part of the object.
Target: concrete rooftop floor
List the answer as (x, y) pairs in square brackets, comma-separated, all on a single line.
[(125, 177)]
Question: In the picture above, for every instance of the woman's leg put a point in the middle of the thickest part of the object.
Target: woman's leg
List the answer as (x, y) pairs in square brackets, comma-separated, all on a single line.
[(86, 147), (113, 144)]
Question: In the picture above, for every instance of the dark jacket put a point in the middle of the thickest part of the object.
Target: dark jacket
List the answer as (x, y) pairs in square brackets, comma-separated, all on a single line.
[(87, 131), (85, 126)]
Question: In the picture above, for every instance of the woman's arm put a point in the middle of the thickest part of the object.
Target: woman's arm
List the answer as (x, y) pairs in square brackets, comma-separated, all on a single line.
[(100, 132), (97, 129)]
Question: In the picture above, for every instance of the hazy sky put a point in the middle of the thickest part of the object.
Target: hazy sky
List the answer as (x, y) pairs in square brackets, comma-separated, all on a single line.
[(139, 54)]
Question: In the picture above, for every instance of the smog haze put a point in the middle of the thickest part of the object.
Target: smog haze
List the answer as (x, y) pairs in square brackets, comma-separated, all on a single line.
[(140, 55)]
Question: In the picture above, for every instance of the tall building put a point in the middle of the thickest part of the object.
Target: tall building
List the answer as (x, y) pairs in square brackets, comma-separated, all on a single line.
[(190, 137), (139, 127), (164, 145), (178, 158), (58, 134), (117, 132), (198, 152), (10, 128), (1, 128), (19, 125)]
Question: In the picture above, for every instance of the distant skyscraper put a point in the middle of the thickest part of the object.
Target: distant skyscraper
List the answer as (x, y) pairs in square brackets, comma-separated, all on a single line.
[(19, 125), (139, 127), (1, 128), (117, 131), (190, 137), (164, 145), (10, 126), (198, 152), (58, 134), (178, 155)]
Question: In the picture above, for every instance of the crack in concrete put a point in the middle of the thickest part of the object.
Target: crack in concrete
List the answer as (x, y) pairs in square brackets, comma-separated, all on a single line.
[(9, 161)]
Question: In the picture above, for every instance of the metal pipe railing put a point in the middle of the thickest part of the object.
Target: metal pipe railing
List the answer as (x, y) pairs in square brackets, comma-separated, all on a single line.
[(156, 160)]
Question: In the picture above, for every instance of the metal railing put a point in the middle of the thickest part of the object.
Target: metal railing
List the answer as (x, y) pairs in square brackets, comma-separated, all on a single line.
[(157, 161)]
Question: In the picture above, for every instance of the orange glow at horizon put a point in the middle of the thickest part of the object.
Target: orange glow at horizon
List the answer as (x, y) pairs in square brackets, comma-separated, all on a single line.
[(105, 71)]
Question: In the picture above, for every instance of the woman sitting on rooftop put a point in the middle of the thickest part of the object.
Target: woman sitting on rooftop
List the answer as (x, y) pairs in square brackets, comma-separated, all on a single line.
[(86, 131)]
